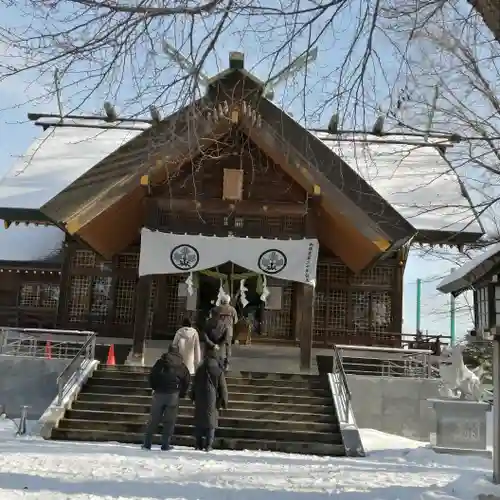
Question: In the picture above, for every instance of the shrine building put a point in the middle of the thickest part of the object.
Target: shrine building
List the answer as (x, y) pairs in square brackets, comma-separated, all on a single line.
[(125, 227)]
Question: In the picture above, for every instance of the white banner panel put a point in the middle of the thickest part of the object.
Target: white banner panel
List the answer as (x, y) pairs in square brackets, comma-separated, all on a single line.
[(293, 260), (168, 253)]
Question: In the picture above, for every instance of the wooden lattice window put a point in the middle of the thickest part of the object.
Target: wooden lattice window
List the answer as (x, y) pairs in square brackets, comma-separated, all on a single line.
[(101, 291), (125, 301), (84, 258), (361, 310), (379, 275), (274, 227), (175, 304), (128, 261), (278, 323), (232, 187), (39, 295), (79, 298), (336, 309)]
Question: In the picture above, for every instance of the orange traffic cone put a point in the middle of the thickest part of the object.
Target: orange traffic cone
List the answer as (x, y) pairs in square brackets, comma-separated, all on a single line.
[(48, 350), (111, 356)]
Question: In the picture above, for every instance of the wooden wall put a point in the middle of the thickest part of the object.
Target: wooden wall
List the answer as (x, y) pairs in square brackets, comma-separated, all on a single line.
[(28, 297), (363, 309), (97, 294)]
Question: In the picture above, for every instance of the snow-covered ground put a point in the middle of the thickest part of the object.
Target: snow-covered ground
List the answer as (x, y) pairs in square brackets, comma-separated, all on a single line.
[(396, 468)]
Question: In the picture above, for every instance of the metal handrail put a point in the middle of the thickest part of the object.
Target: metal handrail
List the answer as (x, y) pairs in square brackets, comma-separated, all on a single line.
[(343, 391), (86, 353), (34, 342)]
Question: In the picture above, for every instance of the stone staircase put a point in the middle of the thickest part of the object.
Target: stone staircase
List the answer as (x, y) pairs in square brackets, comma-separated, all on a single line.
[(275, 412)]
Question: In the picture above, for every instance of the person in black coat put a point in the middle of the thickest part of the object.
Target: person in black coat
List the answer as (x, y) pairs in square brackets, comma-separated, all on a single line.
[(170, 381), (209, 394), (216, 337)]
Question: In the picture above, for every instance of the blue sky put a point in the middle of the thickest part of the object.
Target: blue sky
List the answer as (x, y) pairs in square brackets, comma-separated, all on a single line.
[(16, 133)]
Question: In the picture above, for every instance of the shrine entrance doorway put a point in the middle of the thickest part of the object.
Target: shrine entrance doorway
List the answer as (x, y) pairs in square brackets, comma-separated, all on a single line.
[(244, 287)]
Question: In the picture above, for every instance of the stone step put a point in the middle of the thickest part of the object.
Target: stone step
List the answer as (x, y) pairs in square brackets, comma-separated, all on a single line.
[(143, 385), (311, 413), (134, 395), (324, 449), (223, 432), (184, 418), (143, 378), (242, 374)]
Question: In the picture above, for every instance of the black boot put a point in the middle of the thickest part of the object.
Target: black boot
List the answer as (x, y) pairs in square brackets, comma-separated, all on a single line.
[(199, 444)]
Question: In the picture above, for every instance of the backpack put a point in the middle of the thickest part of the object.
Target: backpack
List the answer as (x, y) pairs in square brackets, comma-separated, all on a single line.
[(216, 330)]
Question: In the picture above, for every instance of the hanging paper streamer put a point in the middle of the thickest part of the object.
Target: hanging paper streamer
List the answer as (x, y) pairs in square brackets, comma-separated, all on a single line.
[(189, 283), (221, 293), (243, 293), (265, 291)]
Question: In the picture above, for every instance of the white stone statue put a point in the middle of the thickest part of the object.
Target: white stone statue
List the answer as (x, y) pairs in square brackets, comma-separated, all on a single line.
[(458, 381)]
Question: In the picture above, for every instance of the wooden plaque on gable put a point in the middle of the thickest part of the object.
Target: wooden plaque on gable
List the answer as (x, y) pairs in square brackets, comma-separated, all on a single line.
[(232, 188)]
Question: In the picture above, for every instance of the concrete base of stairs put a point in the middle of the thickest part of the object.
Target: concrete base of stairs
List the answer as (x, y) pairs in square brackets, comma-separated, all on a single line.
[(221, 443), (284, 412)]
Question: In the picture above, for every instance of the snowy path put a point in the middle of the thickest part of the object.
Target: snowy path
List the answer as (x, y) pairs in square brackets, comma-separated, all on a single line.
[(32, 469)]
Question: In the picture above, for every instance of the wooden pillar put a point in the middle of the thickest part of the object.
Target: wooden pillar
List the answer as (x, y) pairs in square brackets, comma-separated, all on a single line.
[(306, 292), (306, 306), (296, 312), (397, 297), (141, 317), (64, 286)]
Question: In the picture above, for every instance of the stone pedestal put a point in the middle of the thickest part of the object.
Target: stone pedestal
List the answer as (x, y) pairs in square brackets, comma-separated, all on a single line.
[(460, 426)]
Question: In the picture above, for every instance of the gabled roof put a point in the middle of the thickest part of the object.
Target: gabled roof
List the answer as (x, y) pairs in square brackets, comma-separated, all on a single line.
[(489, 10), (345, 187), (105, 200), (468, 275), (54, 161), (415, 178)]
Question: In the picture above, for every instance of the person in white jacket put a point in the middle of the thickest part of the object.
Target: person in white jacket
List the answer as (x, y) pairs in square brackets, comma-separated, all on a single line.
[(187, 340)]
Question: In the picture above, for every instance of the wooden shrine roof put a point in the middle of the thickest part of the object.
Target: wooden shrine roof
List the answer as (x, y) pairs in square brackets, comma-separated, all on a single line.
[(87, 180)]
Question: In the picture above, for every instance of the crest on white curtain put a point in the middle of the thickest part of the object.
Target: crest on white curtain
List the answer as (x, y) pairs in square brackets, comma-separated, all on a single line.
[(265, 291), (190, 284), (243, 293)]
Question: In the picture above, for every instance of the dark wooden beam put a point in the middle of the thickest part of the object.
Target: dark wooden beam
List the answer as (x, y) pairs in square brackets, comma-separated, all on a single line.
[(141, 316), (243, 207), (306, 295), (64, 286), (397, 294)]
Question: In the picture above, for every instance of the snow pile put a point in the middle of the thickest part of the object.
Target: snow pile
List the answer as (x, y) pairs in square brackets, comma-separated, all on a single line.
[(396, 468)]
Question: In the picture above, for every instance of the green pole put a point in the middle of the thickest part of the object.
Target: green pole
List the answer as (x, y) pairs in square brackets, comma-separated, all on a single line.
[(419, 298), (452, 318)]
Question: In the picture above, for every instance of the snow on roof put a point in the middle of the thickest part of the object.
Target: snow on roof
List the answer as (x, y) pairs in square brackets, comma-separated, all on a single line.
[(467, 275), (59, 157), (30, 243), (415, 180)]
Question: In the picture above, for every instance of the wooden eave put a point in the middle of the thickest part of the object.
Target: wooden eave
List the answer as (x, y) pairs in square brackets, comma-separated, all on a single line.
[(24, 215), (114, 214), (35, 266), (489, 10), (141, 151), (447, 238), (342, 226), (343, 186)]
